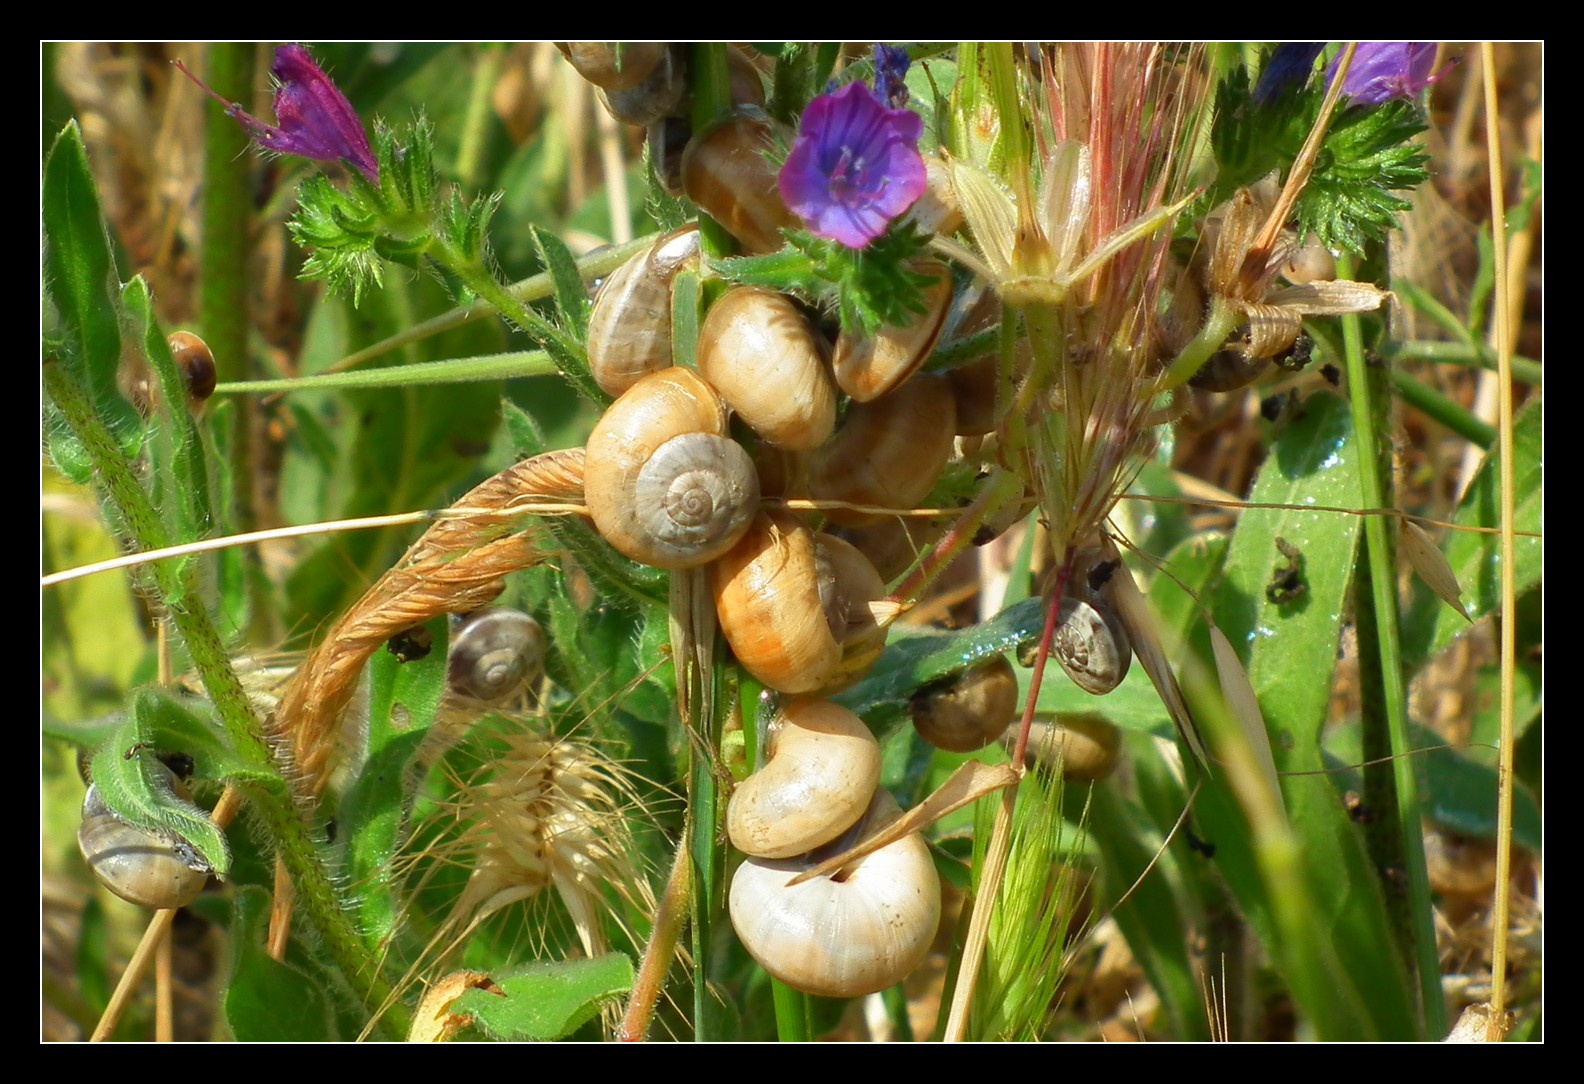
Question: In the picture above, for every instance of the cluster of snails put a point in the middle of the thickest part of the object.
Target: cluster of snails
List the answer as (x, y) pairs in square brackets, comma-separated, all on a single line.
[(150, 869)]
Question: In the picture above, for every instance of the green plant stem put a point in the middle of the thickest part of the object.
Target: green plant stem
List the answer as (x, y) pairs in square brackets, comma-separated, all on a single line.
[(475, 122), (1219, 323), (1423, 397), (1378, 547), (710, 81), (793, 1024), (1472, 355), (671, 911), (288, 829)]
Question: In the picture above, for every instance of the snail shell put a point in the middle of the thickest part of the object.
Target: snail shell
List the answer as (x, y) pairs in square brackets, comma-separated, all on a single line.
[(1228, 370), (967, 710), (867, 368), (756, 349), (611, 64), (822, 767), (724, 171), (853, 933), (629, 332), (197, 365), (1086, 747), (888, 453), (662, 482), (659, 93), (144, 868), (1091, 645), (494, 654), (792, 603), (937, 210)]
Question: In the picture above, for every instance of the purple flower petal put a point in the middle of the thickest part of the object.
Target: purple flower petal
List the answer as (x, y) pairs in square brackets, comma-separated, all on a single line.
[(854, 167), (1383, 70), (313, 118)]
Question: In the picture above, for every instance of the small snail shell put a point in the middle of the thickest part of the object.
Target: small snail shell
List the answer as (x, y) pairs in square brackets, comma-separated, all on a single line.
[(888, 453), (724, 171), (629, 331), (853, 584), (1091, 645), (1228, 370), (662, 482), (937, 210), (611, 64), (141, 867), (197, 365), (967, 710), (822, 766), (494, 654), (757, 351), (1086, 746), (867, 368), (1312, 262), (768, 597), (854, 933), (659, 93)]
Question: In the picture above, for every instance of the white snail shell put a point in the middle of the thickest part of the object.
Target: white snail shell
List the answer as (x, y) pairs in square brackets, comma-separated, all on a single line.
[(494, 654), (143, 868), (853, 933), (662, 482), (756, 349), (821, 769)]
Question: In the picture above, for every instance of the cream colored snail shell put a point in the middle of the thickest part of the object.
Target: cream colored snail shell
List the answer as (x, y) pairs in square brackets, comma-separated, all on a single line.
[(868, 367), (724, 171), (1086, 747), (861, 930), (888, 453), (969, 709), (494, 654), (629, 331), (822, 766), (758, 352), (662, 482), (143, 868)]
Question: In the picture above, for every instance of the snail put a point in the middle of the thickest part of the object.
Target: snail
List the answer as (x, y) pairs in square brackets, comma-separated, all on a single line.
[(937, 210), (662, 482), (888, 453), (494, 654), (724, 171), (967, 710), (853, 933), (197, 365), (146, 868), (1090, 642), (757, 351), (614, 65), (1086, 747), (822, 766), (790, 603), (658, 94), (629, 331), (868, 367)]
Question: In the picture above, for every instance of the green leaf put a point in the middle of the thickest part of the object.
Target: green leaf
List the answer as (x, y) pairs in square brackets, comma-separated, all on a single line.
[(572, 301), (80, 279), (267, 1000), (1368, 154), (546, 1001), (1430, 624)]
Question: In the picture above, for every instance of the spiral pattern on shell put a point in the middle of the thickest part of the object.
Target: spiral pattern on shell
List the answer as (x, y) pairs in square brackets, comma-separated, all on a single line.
[(494, 653)]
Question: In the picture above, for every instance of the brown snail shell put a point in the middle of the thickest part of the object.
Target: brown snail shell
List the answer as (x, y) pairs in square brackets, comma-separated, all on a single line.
[(867, 368), (658, 94), (495, 654), (629, 332), (614, 65), (1091, 645), (196, 363), (758, 352), (888, 453), (724, 171), (821, 768), (853, 933), (144, 868), (662, 482), (967, 710)]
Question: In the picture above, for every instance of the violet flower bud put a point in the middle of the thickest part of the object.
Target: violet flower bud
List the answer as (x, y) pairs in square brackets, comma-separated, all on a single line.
[(1289, 65), (855, 166), (313, 118), (890, 66), (1383, 70)]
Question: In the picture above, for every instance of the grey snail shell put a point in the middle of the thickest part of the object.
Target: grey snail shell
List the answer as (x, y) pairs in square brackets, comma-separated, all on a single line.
[(494, 654), (144, 868), (662, 482), (1090, 643)]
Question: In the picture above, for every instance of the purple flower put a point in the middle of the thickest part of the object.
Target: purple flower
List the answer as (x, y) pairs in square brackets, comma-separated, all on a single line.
[(1288, 65), (1383, 70), (313, 118), (854, 167)]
